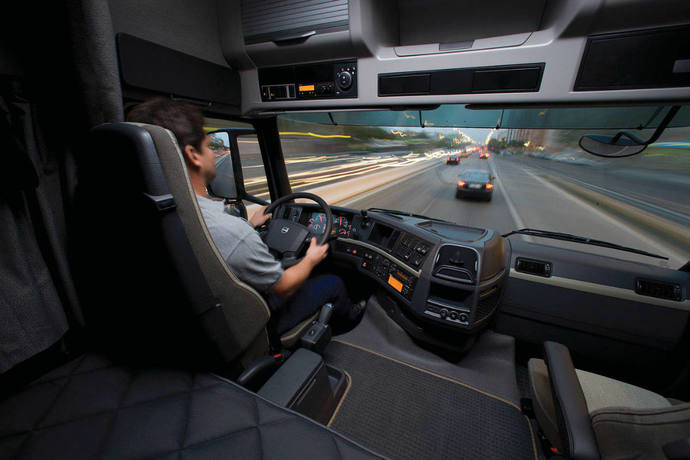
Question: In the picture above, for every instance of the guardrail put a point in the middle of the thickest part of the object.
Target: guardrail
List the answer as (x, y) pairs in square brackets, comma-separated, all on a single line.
[(671, 232)]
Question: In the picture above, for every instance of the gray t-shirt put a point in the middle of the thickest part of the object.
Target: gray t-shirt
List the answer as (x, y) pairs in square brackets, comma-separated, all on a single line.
[(241, 247)]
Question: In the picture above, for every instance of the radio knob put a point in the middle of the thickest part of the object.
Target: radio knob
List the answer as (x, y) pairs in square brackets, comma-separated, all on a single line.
[(453, 315), (344, 80), (443, 313), (463, 317)]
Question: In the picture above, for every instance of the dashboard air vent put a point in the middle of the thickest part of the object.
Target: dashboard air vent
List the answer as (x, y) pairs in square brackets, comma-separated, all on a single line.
[(286, 20), (533, 267), (658, 289), (456, 263)]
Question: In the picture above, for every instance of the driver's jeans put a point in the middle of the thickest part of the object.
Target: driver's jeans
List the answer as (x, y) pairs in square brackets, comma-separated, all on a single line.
[(308, 299)]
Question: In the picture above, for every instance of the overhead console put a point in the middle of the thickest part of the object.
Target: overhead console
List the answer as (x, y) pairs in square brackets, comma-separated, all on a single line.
[(427, 52)]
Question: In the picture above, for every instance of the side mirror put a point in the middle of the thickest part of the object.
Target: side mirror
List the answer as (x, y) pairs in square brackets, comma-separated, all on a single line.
[(224, 185)]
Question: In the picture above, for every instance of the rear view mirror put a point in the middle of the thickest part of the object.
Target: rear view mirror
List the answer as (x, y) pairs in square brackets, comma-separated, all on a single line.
[(623, 144)]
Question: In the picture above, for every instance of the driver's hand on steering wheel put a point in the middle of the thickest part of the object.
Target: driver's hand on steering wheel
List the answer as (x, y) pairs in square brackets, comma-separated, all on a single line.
[(259, 218), (316, 253)]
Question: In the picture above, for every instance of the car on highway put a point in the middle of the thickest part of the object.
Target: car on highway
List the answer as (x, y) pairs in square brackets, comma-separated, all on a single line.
[(475, 183), (453, 160), (143, 315)]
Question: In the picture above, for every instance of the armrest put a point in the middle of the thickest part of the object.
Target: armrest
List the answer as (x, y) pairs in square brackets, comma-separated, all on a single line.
[(574, 422), (290, 380)]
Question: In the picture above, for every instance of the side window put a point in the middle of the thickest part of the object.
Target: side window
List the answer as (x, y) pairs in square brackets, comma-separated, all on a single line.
[(253, 171)]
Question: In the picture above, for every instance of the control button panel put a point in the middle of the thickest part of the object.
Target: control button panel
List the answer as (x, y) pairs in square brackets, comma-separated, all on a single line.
[(447, 313), (412, 250), (382, 268), (389, 272)]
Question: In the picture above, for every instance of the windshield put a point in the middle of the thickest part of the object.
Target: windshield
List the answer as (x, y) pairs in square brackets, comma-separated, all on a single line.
[(541, 178)]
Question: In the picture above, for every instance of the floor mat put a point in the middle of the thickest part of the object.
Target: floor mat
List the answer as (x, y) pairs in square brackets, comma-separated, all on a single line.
[(488, 366), (405, 412)]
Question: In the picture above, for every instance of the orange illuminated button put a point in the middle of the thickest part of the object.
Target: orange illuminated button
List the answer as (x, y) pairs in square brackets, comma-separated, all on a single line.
[(306, 87), (397, 285), (354, 251)]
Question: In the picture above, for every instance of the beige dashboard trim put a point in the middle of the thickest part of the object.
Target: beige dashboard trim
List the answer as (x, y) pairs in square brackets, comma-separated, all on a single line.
[(417, 273), (600, 289)]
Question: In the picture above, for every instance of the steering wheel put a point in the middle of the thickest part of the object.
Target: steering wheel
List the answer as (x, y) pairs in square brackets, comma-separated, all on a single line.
[(289, 239)]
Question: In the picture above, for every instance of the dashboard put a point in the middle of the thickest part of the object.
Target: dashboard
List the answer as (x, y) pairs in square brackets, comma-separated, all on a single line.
[(438, 272), (458, 278)]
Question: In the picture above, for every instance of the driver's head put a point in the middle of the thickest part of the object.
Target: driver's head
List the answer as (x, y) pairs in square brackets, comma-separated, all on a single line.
[(187, 124)]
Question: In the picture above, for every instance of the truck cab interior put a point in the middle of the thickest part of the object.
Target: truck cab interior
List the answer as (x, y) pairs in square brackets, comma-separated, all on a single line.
[(550, 320)]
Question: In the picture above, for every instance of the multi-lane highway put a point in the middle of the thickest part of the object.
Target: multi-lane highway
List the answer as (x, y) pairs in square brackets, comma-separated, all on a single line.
[(523, 197)]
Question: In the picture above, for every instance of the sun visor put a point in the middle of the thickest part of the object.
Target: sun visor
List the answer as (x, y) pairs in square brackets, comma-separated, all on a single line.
[(456, 115)]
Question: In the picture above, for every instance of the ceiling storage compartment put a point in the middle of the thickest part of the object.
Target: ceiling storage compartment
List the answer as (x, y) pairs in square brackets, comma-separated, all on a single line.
[(467, 24), (277, 32)]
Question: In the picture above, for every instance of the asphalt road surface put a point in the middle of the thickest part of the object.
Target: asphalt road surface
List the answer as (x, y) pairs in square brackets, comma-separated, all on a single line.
[(522, 197)]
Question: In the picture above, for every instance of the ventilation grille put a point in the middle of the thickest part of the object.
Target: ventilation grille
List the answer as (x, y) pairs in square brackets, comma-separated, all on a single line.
[(658, 289), (268, 20), (456, 263)]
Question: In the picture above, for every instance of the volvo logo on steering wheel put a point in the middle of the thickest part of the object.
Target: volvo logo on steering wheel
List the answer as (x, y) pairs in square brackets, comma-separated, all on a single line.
[(284, 229)]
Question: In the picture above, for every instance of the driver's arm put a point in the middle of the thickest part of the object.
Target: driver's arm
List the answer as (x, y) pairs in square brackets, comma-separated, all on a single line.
[(294, 276)]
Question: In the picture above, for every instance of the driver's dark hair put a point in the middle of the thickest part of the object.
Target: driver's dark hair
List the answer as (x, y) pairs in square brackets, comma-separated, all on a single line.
[(184, 120)]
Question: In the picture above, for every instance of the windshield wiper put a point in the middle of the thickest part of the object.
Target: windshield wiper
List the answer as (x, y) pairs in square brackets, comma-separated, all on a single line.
[(407, 214), (580, 239)]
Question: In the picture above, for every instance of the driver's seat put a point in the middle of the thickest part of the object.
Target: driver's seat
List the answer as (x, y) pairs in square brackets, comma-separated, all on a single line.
[(162, 288)]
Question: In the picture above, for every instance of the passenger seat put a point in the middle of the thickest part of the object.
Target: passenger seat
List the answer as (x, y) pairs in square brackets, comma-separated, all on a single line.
[(588, 416)]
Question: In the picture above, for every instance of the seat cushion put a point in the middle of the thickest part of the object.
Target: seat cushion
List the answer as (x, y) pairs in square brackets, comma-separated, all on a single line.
[(600, 393), (640, 433), (91, 407)]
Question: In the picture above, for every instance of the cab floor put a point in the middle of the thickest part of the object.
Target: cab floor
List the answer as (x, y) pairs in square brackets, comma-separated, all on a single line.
[(405, 402)]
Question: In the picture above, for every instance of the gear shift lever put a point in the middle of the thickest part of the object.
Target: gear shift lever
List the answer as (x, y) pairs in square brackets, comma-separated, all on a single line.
[(319, 333), (326, 313)]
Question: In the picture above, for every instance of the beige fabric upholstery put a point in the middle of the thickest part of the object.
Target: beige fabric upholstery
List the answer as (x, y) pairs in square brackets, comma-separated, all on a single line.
[(640, 433), (601, 393), (245, 309)]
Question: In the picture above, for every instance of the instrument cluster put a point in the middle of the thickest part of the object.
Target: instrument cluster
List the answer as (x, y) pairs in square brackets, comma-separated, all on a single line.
[(342, 225)]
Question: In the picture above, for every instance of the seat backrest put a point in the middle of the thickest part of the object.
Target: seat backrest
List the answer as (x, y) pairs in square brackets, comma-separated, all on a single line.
[(161, 284)]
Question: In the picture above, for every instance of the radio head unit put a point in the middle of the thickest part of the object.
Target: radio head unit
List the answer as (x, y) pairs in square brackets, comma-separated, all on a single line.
[(323, 80)]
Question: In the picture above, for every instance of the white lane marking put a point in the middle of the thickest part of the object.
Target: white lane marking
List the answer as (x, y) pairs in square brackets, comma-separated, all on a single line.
[(511, 207), (673, 259)]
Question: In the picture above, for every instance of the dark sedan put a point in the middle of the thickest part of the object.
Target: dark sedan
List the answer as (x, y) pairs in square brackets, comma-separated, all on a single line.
[(453, 160), (475, 184)]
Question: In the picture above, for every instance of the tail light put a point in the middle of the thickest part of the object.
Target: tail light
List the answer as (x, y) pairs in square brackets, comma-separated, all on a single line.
[(448, 159), (489, 186), (461, 183)]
